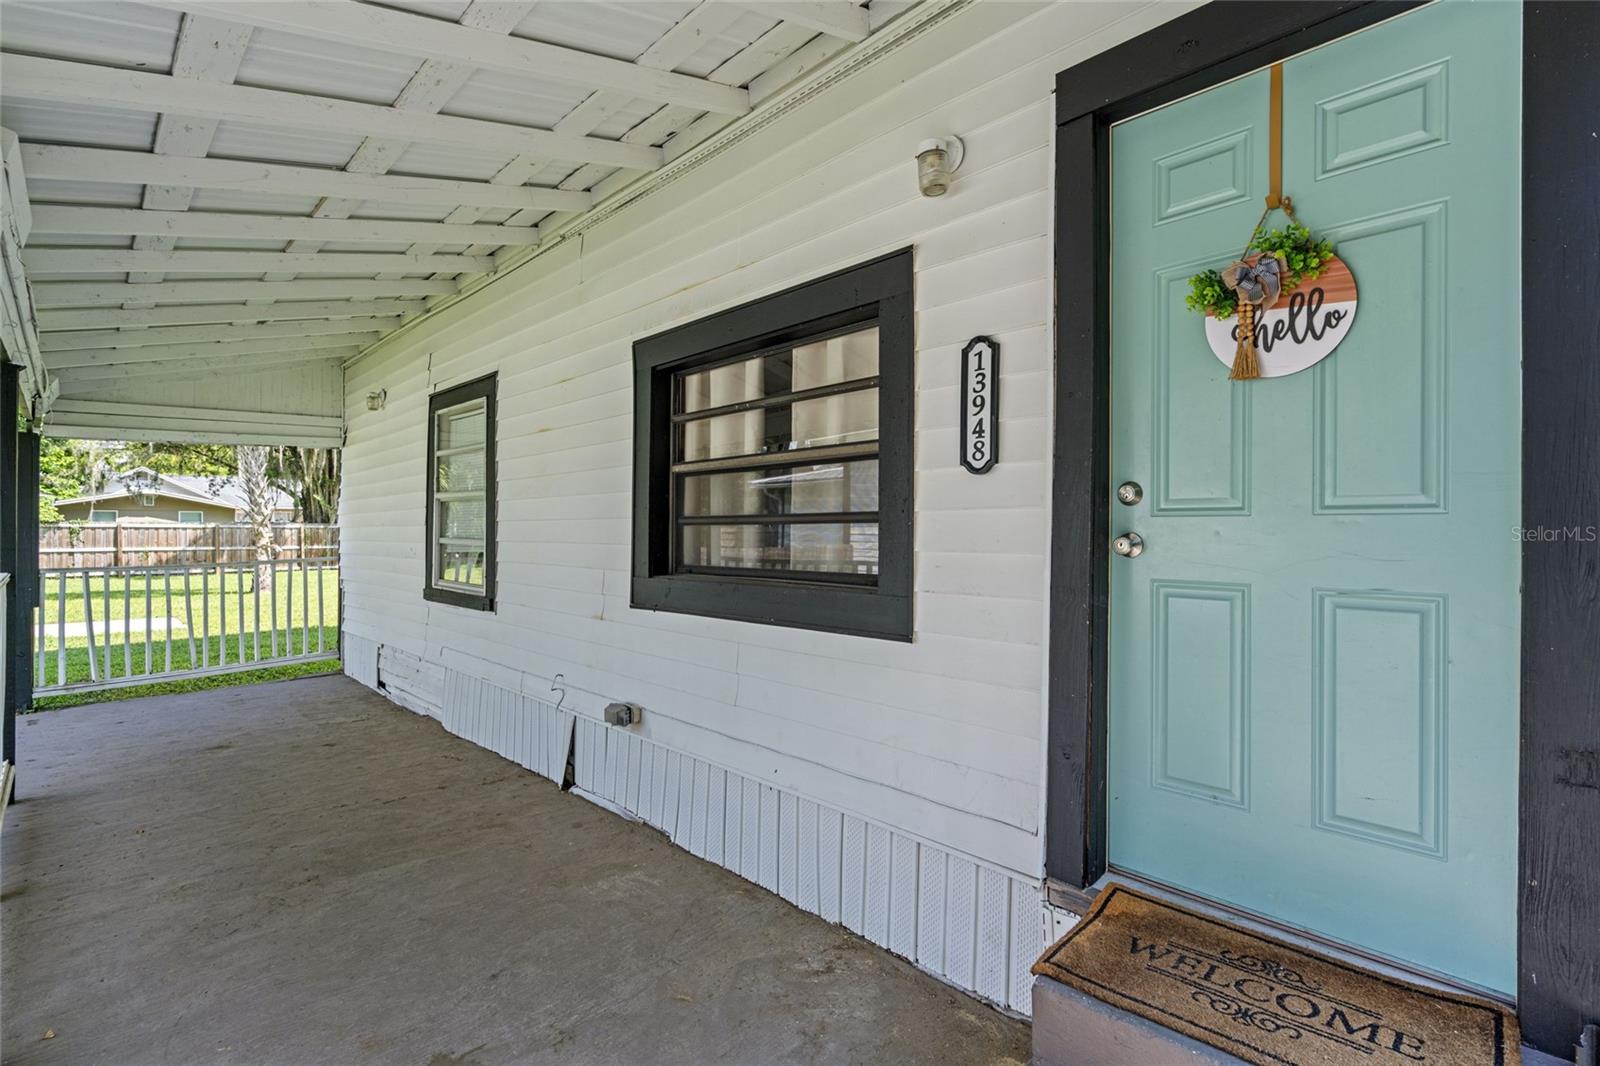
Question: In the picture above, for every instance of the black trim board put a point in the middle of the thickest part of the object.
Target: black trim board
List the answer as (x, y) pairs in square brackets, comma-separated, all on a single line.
[(11, 555), (878, 290), (478, 388), (1559, 888), (1558, 965)]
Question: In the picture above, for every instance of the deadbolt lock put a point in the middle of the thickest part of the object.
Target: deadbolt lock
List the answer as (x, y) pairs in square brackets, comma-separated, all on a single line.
[(1130, 545), (1130, 493)]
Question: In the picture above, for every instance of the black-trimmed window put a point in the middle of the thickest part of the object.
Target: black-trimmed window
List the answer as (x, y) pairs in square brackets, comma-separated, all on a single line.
[(461, 495), (773, 458)]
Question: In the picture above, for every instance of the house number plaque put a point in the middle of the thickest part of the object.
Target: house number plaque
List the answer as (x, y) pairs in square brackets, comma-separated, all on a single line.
[(980, 405)]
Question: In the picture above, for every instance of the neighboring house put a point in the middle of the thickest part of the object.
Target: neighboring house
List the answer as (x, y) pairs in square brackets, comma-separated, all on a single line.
[(177, 499)]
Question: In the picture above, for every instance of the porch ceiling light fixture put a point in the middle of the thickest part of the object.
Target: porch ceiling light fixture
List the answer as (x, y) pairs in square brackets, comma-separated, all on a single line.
[(937, 160)]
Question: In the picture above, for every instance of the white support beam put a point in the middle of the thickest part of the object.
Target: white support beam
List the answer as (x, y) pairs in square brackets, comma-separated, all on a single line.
[(44, 261), (49, 218), (78, 340), (209, 369), (219, 353), (19, 317), (208, 50), (434, 85), (402, 33), (836, 18), (54, 294), (202, 314), (111, 165), (33, 78), (686, 37), (139, 421)]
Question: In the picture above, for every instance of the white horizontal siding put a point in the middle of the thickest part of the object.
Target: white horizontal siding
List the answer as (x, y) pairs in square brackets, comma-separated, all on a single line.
[(896, 788)]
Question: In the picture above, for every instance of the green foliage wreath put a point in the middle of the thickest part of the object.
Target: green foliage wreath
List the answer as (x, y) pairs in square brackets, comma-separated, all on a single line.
[(1302, 255)]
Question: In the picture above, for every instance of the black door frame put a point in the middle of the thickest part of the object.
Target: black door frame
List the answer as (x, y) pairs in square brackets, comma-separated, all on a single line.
[(1559, 798)]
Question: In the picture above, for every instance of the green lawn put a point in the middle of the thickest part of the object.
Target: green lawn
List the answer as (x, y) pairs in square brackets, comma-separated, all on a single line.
[(281, 672), (213, 609)]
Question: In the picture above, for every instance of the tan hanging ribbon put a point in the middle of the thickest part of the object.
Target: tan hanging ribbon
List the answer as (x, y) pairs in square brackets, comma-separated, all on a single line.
[(1275, 140), (1257, 284)]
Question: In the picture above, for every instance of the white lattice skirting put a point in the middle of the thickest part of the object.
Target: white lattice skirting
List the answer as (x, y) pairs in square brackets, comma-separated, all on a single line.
[(970, 924)]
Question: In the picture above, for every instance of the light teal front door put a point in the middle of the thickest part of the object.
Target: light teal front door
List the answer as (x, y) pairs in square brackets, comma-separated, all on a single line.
[(1313, 698)]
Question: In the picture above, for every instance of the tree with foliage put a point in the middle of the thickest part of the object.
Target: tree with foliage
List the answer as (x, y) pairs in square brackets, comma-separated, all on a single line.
[(311, 476)]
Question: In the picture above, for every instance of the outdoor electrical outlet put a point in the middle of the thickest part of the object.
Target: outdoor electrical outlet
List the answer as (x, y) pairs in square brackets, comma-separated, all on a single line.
[(623, 714)]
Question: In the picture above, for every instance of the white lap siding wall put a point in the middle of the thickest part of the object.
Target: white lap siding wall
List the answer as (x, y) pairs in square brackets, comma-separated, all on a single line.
[(894, 787)]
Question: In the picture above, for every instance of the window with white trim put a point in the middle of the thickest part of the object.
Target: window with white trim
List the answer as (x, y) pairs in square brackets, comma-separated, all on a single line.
[(461, 495), (102, 516), (192, 518)]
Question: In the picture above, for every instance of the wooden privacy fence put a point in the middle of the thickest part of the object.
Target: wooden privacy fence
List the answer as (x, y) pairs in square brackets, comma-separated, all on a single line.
[(71, 546)]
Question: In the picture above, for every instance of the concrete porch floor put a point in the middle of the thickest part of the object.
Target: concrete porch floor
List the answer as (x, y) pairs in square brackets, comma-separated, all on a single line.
[(302, 872)]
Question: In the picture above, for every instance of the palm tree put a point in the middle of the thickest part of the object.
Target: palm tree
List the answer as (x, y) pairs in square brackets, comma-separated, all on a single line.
[(258, 499)]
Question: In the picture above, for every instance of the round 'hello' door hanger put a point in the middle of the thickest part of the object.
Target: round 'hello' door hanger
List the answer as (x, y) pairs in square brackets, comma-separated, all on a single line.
[(1288, 300)]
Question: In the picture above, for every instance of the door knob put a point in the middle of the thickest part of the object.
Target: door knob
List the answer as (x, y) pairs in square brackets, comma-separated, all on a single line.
[(1130, 545), (1130, 493)]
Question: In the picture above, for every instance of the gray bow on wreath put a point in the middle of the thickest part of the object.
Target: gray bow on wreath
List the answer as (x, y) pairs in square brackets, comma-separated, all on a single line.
[(1257, 286)]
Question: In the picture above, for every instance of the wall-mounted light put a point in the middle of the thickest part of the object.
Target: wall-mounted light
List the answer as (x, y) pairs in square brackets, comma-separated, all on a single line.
[(376, 399), (937, 160)]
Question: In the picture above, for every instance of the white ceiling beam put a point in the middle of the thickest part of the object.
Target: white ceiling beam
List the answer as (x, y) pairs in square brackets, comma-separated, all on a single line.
[(207, 51), (45, 261), (836, 18), (53, 294), (434, 85), (160, 422), (669, 123), (403, 33), (200, 314), (199, 369), (33, 78), (686, 37), (56, 219), (212, 350), (79, 340), (110, 165)]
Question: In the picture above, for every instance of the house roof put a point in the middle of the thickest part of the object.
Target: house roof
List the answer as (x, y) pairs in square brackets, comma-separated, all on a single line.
[(190, 488), (340, 168)]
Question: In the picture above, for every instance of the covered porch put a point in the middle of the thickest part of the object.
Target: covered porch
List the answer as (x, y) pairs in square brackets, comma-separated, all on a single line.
[(191, 879)]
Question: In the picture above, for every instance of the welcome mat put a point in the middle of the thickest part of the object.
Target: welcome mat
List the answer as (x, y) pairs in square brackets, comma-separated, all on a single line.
[(1264, 1000)]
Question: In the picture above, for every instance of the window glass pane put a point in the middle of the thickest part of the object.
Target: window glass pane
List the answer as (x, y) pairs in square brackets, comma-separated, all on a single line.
[(461, 427), (750, 379), (818, 489), (461, 566), (191, 517), (821, 548), (846, 358), (847, 418), (460, 473), (461, 519)]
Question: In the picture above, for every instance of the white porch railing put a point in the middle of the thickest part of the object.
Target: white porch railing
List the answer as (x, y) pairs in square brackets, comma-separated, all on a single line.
[(127, 625)]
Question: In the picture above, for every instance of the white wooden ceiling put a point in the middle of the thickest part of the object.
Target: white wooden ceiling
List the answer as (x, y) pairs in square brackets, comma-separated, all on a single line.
[(282, 182)]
